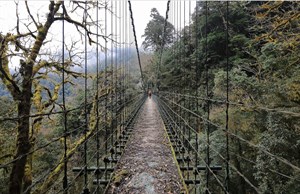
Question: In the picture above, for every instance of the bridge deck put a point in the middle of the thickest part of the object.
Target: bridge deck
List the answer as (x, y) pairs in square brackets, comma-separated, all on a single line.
[(147, 165)]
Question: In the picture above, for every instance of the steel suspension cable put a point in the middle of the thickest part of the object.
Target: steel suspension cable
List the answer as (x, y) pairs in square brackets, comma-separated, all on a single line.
[(65, 178), (180, 64), (79, 173), (68, 133), (186, 139), (52, 169), (124, 62), (190, 82), (162, 43), (85, 190), (115, 96), (186, 84), (254, 107), (223, 158), (263, 149), (197, 75), (112, 76), (39, 147), (227, 178), (207, 95), (118, 61), (178, 46), (106, 84), (136, 46), (267, 109), (44, 114), (121, 84), (252, 145), (115, 88), (97, 95), (61, 161)]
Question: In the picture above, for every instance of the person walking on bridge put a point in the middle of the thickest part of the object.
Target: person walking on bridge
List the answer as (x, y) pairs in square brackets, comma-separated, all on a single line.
[(149, 93)]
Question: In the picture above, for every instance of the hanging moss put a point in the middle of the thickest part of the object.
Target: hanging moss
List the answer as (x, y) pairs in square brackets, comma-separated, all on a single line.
[(54, 175), (119, 176), (294, 92)]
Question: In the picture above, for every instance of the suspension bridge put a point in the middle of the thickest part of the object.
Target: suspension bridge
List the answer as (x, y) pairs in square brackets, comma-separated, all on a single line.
[(128, 142)]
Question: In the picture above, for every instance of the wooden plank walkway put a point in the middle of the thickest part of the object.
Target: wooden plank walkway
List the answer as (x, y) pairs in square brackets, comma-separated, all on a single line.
[(147, 165)]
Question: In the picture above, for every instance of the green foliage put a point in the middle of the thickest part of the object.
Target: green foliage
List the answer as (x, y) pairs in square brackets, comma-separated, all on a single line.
[(264, 88), (7, 139), (154, 32), (280, 139)]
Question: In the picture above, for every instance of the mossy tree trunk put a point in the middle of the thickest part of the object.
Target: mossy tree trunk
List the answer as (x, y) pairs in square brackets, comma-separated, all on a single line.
[(27, 178), (23, 144)]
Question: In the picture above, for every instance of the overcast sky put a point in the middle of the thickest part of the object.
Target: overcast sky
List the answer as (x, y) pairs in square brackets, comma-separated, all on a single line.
[(141, 12)]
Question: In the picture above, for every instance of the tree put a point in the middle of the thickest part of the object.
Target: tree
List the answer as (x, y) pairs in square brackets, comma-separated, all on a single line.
[(154, 32), (32, 46)]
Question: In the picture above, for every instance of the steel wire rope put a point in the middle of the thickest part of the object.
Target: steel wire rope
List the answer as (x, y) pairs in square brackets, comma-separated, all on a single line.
[(180, 64), (50, 171), (81, 145), (208, 166), (83, 168), (227, 179), (39, 148), (182, 155), (223, 158), (112, 75), (115, 99), (121, 82), (109, 138), (44, 114), (175, 43), (127, 72), (184, 82), (91, 158), (268, 109), (124, 63), (85, 190), (60, 162), (207, 95), (271, 170), (162, 42), (106, 83), (118, 54), (65, 178), (43, 146), (261, 148), (196, 78), (178, 47), (136, 45), (42, 177), (189, 71), (97, 95), (187, 123)]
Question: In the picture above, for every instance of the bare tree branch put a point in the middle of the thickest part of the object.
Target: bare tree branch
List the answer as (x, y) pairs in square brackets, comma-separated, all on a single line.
[(29, 13)]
